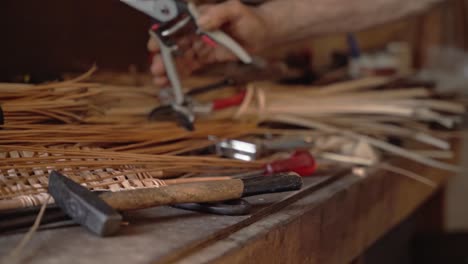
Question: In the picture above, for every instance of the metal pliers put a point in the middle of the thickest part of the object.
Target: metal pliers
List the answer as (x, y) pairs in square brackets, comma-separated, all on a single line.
[(167, 113), (172, 18)]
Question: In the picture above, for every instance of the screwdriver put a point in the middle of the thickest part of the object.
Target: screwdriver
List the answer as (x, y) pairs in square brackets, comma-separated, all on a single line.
[(300, 162)]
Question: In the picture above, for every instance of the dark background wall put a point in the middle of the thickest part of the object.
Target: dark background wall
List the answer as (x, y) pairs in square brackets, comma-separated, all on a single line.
[(52, 36)]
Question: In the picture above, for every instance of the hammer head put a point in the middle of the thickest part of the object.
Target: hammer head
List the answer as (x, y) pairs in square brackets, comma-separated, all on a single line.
[(83, 206)]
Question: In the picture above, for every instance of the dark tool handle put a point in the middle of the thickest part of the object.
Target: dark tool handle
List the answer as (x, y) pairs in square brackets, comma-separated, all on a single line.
[(211, 87), (199, 192), (231, 208), (283, 182)]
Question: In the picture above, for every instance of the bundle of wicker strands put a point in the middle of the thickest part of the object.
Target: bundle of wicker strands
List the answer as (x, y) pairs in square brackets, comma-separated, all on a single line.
[(116, 147), (24, 170), (360, 110), (148, 138)]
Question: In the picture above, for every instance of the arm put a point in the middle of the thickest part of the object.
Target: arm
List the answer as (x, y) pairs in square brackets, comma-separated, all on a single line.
[(296, 19), (280, 21)]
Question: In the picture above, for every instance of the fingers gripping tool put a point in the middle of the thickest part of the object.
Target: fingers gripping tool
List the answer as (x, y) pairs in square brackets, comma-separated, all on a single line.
[(172, 17)]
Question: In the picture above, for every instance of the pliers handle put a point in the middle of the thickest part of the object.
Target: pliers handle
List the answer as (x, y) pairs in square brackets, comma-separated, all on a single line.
[(168, 48)]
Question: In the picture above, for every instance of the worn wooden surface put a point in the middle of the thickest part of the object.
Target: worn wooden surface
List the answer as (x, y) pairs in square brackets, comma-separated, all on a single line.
[(333, 221), (152, 235), (333, 225)]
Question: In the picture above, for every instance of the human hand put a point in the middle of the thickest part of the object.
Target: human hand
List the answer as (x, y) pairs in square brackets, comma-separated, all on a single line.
[(245, 24)]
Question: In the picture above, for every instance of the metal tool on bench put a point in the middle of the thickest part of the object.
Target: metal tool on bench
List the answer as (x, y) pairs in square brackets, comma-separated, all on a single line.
[(252, 150), (174, 17), (99, 214), (301, 162), (166, 112)]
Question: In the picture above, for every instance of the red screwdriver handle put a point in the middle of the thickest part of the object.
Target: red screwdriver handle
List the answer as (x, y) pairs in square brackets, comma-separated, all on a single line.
[(301, 162), (223, 103)]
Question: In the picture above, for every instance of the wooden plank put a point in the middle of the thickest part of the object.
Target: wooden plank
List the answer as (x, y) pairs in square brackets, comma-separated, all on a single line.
[(311, 185), (153, 234), (333, 225)]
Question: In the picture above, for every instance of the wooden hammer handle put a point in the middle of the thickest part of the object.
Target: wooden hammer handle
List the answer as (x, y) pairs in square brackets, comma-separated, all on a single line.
[(198, 192)]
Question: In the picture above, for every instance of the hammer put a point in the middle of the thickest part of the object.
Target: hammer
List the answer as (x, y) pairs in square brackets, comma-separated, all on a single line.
[(100, 213)]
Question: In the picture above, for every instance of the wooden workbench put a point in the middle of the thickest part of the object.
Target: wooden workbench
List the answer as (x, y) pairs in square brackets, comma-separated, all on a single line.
[(334, 219)]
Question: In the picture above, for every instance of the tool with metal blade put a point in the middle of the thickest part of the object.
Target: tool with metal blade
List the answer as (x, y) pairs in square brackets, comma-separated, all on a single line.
[(173, 17), (254, 149)]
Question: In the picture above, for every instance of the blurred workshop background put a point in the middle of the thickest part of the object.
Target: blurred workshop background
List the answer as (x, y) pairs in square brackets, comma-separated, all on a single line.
[(40, 40)]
